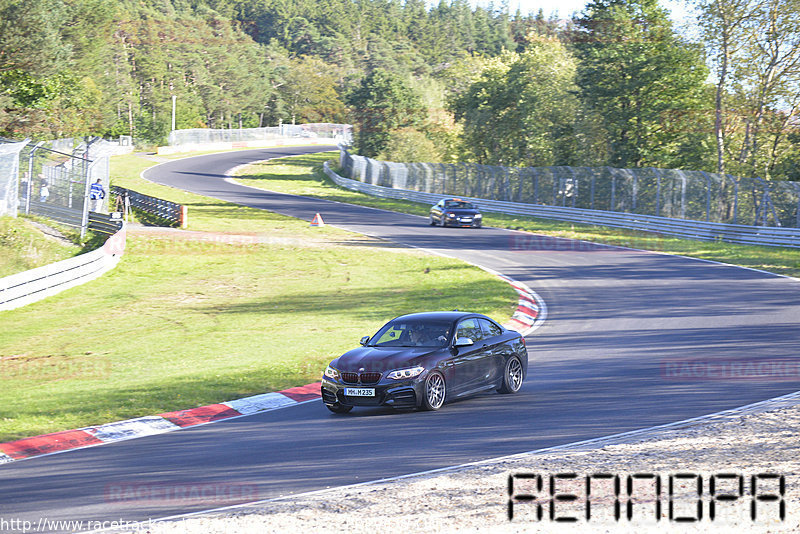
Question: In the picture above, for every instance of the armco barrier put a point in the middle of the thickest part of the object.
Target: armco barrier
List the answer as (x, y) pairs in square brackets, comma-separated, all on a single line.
[(163, 209), (30, 286), (733, 233)]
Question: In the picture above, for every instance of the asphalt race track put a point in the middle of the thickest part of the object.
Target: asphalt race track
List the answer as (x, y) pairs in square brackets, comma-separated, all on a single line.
[(618, 320)]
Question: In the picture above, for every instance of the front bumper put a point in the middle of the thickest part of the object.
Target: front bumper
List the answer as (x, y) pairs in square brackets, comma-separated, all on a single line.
[(394, 393), (462, 221)]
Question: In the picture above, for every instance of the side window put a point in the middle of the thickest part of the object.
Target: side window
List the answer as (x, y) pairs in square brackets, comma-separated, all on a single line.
[(469, 328), (489, 328)]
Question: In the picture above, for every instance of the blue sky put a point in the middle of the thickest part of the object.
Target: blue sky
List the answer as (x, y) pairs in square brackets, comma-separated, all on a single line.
[(565, 8)]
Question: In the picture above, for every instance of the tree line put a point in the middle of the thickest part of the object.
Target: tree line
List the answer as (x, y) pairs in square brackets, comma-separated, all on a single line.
[(614, 85)]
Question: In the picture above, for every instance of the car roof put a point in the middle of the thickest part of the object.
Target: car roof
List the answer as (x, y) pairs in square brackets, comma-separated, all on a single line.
[(439, 315)]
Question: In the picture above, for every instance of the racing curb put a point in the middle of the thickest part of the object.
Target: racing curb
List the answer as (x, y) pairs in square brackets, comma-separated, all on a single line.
[(528, 316), (154, 424)]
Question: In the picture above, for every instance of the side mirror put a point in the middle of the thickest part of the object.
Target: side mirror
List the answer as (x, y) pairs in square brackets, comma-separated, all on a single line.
[(464, 342), (364, 341)]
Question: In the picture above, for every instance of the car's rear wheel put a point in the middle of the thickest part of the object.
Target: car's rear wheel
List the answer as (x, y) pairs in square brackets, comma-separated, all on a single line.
[(512, 376), (433, 221), (338, 408), (435, 391)]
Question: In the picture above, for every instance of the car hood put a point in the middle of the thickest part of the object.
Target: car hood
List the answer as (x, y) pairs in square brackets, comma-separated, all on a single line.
[(380, 359)]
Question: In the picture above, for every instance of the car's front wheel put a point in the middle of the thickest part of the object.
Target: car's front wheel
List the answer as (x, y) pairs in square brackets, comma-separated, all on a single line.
[(513, 376), (435, 391), (338, 408)]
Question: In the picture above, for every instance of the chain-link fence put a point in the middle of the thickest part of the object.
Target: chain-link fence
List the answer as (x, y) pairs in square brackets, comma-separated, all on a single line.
[(52, 178), (9, 173), (694, 195), (342, 133)]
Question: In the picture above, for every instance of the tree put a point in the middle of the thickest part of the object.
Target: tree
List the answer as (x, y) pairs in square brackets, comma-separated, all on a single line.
[(770, 76), (643, 81), (521, 110), (724, 31), (309, 92), (382, 103)]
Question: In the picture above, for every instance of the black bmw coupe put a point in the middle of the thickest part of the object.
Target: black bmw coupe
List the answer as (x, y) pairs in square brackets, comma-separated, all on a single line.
[(423, 360), (455, 212)]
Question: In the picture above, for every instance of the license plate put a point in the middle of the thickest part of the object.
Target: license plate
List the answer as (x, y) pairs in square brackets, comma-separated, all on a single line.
[(465, 220), (359, 392)]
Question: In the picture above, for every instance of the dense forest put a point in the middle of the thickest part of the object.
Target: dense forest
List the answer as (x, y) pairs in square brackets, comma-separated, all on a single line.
[(614, 85)]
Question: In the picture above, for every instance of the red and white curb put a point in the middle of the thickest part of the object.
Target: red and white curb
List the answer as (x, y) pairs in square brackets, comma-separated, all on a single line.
[(154, 424), (531, 312), (531, 309)]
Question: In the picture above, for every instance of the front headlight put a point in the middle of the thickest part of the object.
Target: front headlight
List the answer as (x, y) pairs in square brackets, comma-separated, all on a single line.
[(450, 215), (330, 372), (478, 216), (404, 374)]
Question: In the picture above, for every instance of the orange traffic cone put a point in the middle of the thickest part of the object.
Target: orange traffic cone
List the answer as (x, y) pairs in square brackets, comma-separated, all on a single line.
[(317, 220)]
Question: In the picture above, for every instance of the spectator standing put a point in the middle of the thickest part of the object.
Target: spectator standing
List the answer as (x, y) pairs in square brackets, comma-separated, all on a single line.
[(96, 196), (44, 192)]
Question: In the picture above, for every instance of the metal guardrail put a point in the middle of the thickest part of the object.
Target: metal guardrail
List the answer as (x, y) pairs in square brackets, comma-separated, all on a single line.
[(104, 223), (733, 233), (163, 209), (30, 286)]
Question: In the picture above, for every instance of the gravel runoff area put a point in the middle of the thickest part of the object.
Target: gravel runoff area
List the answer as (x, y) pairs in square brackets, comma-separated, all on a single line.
[(757, 440)]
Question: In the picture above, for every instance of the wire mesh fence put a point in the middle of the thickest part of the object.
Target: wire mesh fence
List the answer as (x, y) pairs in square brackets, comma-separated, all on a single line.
[(342, 133), (9, 173), (52, 178), (674, 193)]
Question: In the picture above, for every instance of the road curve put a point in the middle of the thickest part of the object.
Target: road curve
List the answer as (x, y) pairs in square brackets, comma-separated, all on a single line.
[(617, 320)]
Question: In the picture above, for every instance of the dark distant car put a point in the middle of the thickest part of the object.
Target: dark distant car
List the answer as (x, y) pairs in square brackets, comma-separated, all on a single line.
[(455, 212), (423, 360)]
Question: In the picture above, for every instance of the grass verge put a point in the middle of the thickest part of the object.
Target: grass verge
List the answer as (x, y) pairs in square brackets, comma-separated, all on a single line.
[(188, 319), (25, 246), (282, 176)]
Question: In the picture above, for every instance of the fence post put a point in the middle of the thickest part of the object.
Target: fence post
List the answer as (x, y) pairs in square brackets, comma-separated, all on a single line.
[(86, 186), (708, 195), (29, 192)]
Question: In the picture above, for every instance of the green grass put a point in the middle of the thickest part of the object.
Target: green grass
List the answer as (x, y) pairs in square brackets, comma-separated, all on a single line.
[(187, 320), (25, 246), (282, 176)]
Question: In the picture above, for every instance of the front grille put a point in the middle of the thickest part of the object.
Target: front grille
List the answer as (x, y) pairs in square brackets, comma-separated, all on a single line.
[(366, 378), (370, 378), (351, 378)]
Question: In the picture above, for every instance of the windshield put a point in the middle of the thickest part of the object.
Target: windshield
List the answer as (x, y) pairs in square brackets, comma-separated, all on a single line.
[(459, 205), (405, 333)]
